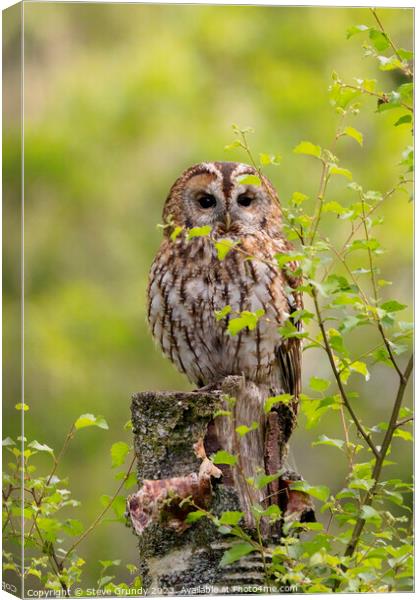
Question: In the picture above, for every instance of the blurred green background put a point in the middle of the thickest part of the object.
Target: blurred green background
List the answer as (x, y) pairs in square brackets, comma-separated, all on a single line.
[(119, 99)]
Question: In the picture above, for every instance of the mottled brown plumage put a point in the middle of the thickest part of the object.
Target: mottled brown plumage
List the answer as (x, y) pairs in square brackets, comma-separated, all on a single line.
[(188, 284)]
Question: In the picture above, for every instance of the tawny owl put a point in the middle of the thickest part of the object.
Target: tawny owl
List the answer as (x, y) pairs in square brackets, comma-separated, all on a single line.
[(189, 284)]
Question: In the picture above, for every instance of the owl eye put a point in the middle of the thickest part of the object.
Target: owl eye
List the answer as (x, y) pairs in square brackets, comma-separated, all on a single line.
[(244, 200), (207, 201)]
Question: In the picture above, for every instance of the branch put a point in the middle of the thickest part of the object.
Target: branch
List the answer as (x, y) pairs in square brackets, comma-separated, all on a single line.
[(360, 523), (343, 394)]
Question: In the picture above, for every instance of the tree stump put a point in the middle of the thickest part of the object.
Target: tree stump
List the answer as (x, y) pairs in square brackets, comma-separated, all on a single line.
[(174, 434)]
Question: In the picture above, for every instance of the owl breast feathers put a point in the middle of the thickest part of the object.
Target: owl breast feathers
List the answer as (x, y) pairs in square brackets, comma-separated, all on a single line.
[(188, 283)]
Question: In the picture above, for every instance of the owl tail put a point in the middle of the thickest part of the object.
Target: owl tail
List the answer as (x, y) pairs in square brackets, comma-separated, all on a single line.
[(257, 439)]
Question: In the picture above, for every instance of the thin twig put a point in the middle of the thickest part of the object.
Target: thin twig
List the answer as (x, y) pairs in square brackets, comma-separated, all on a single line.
[(375, 291), (57, 459), (320, 199), (383, 97), (101, 514), (357, 227), (406, 69), (403, 422)]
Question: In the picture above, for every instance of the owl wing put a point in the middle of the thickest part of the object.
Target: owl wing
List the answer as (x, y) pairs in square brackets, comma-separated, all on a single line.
[(289, 351)]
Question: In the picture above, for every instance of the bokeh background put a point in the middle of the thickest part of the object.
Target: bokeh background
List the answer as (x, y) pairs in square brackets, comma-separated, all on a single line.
[(119, 99)]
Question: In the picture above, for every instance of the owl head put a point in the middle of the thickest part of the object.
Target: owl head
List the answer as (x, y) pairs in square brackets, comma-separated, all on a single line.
[(218, 194)]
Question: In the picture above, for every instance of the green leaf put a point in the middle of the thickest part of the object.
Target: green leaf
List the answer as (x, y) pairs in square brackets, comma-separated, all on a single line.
[(195, 232), (223, 247), (231, 517), (73, 527), (119, 452), (222, 457), (244, 429), (8, 442), (247, 319), (176, 233), (406, 54), (371, 244), (262, 480), (320, 492), (336, 341), (334, 207), (383, 282), (89, 420), (404, 119), (270, 159), (362, 484), (35, 572), (324, 440), (403, 434), (103, 581), (119, 506), (40, 447), (221, 314), (273, 400), (291, 331), (308, 148), (287, 257), (49, 527), (318, 384), (390, 63), (235, 553), (249, 180), (194, 516), (368, 513), (233, 145), (341, 96), (302, 315), (222, 413), (273, 512), (131, 568), (110, 563), (298, 198), (405, 412), (339, 171), (406, 91), (408, 159), (22, 406), (393, 306), (104, 499), (367, 84), (394, 497), (130, 481), (360, 367), (314, 408), (351, 31), (379, 40), (355, 134)]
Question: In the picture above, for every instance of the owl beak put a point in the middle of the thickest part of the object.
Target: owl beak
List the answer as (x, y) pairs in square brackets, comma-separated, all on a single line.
[(228, 221)]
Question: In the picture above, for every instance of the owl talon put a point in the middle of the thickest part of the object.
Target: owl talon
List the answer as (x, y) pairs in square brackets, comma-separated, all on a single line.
[(210, 387)]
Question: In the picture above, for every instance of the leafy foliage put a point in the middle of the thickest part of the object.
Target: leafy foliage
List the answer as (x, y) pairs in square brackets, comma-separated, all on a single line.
[(367, 545), (50, 538)]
